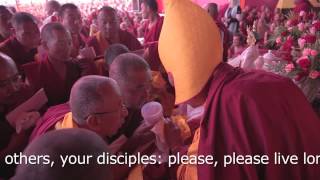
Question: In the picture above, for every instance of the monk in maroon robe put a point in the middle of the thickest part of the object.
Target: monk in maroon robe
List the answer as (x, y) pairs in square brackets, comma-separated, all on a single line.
[(212, 9), (12, 93), (5, 25), (152, 28), (22, 47), (110, 33), (70, 17), (57, 73), (246, 112)]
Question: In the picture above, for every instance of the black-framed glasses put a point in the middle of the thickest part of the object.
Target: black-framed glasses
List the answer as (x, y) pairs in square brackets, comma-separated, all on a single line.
[(123, 108)]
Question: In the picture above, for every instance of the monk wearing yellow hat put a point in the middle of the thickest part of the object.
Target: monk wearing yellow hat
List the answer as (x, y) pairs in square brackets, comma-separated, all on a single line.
[(246, 112)]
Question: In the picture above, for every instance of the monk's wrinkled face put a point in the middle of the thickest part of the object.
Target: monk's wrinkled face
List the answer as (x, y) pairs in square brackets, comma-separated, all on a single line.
[(10, 83), (136, 88), (28, 34), (59, 45), (71, 19), (111, 114), (108, 24), (5, 24)]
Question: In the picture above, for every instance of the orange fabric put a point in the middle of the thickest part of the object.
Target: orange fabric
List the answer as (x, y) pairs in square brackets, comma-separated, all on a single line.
[(103, 44), (67, 122), (101, 67), (181, 122), (190, 31), (136, 173), (188, 171)]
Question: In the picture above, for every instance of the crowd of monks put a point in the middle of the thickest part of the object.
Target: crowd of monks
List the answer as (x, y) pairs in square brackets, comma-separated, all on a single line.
[(97, 83)]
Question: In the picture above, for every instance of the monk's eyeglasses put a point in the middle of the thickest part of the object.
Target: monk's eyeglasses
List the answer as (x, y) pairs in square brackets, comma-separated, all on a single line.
[(123, 108), (12, 80)]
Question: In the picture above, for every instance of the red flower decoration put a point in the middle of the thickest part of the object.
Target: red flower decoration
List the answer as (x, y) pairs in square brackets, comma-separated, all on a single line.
[(304, 63), (300, 75), (317, 25), (284, 33), (310, 38)]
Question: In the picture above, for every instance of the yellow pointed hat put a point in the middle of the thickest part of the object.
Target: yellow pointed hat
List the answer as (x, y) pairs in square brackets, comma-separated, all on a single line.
[(190, 47)]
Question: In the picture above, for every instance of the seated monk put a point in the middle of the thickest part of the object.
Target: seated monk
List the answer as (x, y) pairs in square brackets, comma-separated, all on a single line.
[(212, 9), (12, 93), (96, 105), (152, 26), (22, 47), (70, 18), (57, 73), (77, 142), (110, 33), (246, 112), (237, 46), (5, 24)]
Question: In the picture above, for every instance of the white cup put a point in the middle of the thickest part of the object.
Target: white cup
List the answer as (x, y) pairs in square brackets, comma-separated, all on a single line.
[(152, 112)]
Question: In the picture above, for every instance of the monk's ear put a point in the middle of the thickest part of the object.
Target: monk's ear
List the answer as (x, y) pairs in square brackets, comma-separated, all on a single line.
[(93, 123)]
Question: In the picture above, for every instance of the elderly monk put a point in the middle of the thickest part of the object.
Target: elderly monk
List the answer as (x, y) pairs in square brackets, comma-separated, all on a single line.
[(70, 18), (58, 71), (96, 104), (152, 27), (212, 9), (246, 112), (12, 93), (5, 24), (67, 142), (22, 47), (110, 32), (133, 75)]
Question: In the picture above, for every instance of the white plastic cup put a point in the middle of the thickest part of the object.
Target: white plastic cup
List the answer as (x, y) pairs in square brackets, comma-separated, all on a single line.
[(152, 112)]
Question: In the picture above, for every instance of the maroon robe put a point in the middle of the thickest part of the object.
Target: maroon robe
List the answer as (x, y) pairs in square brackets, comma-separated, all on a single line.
[(132, 122), (15, 50), (41, 74), (49, 119), (126, 39), (257, 113), (226, 38), (151, 38), (6, 130)]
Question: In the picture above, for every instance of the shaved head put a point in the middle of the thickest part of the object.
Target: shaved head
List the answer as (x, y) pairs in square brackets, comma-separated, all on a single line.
[(96, 104), (47, 30), (6, 63), (212, 9), (125, 63), (133, 75), (22, 17), (113, 51), (86, 95), (78, 142)]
